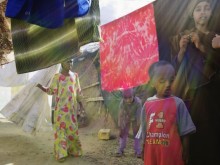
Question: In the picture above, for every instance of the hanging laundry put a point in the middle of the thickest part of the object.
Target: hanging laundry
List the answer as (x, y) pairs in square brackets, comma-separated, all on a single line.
[(36, 47), (5, 37), (10, 78), (28, 108), (129, 48), (48, 14)]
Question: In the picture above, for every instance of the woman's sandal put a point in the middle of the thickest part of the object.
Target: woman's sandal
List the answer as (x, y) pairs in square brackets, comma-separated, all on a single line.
[(61, 159), (119, 154)]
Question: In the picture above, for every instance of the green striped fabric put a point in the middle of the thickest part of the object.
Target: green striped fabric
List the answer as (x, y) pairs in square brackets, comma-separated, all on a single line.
[(36, 47)]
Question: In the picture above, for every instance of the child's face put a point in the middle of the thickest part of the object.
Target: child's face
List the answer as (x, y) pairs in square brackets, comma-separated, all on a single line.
[(128, 100), (67, 65), (163, 79), (202, 13)]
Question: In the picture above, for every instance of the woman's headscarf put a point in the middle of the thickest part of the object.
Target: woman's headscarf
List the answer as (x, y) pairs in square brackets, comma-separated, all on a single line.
[(193, 3)]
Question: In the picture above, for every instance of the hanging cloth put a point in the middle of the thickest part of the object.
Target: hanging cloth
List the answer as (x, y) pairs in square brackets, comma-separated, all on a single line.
[(36, 47), (28, 107), (5, 37), (129, 48), (10, 78), (48, 14)]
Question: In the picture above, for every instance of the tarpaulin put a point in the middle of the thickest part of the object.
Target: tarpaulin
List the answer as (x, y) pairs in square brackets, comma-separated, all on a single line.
[(129, 48)]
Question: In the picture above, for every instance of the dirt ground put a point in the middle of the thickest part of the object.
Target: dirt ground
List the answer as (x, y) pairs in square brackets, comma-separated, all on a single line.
[(20, 148)]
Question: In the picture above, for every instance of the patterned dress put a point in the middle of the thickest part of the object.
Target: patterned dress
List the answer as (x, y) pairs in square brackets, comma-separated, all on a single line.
[(66, 90)]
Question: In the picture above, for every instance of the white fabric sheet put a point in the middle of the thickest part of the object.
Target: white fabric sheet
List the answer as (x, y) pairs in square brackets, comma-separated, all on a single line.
[(27, 109), (10, 78)]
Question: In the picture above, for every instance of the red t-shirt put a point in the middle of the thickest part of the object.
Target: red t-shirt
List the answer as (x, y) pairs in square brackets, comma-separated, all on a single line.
[(163, 144)]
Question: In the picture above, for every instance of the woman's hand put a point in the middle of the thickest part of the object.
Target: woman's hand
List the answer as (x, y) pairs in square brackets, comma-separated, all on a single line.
[(39, 86), (184, 40), (194, 37), (216, 42), (81, 107)]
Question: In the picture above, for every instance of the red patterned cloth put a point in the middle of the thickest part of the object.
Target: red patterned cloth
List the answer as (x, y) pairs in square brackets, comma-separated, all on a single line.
[(130, 46)]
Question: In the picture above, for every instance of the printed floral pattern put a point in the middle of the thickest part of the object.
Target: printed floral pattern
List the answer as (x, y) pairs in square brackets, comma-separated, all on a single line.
[(65, 127)]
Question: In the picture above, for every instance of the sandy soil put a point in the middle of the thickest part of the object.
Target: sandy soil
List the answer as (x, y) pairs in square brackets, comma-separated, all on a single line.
[(19, 148)]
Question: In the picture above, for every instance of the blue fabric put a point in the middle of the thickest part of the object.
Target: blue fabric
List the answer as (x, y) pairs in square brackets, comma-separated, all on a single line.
[(48, 14)]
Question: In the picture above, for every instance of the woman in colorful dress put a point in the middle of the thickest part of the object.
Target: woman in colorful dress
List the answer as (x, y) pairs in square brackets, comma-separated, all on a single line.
[(65, 87)]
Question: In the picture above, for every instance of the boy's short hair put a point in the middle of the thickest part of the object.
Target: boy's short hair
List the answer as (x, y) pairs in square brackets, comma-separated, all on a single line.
[(151, 70), (128, 93)]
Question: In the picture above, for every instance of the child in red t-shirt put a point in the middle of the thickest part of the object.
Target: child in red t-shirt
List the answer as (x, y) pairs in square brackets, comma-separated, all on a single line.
[(165, 121)]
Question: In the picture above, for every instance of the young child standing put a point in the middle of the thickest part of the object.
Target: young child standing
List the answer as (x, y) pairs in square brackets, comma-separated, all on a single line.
[(165, 121), (129, 114)]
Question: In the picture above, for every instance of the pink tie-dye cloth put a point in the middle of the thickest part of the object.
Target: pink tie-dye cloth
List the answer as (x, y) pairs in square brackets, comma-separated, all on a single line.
[(130, 46)]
